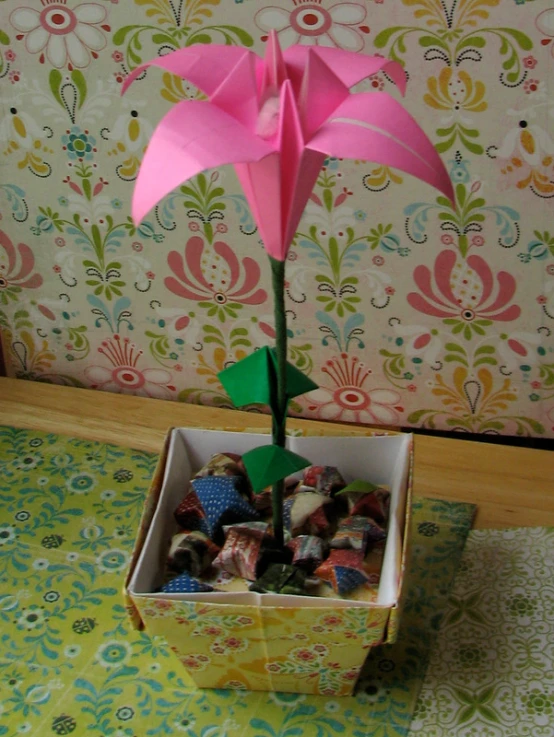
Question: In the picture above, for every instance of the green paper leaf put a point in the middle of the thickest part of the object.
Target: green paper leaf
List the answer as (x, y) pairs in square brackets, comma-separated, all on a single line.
[(251, 380), (254, 379), (269, 463), (297, 382)]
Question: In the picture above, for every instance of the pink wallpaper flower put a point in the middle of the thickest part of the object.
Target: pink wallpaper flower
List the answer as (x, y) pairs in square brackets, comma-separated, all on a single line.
[(316, 22), (61, 34), (545, 24), (466, 293), (345, 397), (123, 375), (16, 265), (220, 278)]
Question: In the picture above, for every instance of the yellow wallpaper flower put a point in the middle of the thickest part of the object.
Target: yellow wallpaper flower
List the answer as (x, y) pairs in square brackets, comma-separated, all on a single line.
[(454, 91)]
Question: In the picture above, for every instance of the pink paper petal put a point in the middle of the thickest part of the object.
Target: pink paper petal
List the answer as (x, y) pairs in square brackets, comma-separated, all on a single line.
[(205, 66), (237, 94), (274, 69), (374, 126), (192, 137), (261, 183), (278, 187), (321, 93), (291, 146), (307, 174), (349, 68)]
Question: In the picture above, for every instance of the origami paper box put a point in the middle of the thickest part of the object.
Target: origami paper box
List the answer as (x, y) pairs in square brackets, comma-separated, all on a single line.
[(241, 639)]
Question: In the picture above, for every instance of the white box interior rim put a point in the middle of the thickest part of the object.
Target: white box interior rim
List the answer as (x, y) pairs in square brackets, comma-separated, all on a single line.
[(380, 459)]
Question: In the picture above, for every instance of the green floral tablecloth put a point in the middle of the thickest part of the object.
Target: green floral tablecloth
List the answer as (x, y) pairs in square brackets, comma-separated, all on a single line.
[(69, 662), (491, 673)]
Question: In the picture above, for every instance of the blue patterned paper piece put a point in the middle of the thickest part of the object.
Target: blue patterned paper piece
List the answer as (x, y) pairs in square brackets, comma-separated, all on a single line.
[(222, 502), (185, 584)]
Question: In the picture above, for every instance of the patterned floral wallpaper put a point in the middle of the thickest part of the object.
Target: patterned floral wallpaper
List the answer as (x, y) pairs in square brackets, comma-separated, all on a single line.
[(402, 308)]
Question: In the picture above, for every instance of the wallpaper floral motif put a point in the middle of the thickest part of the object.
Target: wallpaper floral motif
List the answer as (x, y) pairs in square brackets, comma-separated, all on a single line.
[(404, 309)]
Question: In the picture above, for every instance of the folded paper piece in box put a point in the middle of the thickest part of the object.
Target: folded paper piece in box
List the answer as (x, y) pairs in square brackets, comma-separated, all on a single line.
[(269, 641)]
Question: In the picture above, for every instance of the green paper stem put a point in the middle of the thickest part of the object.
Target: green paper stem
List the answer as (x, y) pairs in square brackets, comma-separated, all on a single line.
[(279, 406)]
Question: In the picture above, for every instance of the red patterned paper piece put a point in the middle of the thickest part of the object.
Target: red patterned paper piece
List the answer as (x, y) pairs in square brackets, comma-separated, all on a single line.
[(375, 504), (318, 523), (189, 511), (344, 557), (262, 501), (308, 551), (373, 563), (257, 528), (236, 457), (192, 552), (220, 464), (344, 570), (325, 479), (299, 508), (353, 532), (241, 552)]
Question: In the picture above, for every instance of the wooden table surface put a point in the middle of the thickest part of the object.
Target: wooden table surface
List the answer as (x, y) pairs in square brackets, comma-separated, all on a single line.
[(512, 486)]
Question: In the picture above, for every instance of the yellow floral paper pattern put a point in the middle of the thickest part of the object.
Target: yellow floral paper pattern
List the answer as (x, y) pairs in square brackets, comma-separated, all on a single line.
[(294, 649)]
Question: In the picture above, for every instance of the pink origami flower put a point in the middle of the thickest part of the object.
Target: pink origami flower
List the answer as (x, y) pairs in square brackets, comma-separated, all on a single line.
[(276, 120)]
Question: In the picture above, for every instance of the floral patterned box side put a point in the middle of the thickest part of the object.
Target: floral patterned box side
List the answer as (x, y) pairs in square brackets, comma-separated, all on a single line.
[(264, 641)]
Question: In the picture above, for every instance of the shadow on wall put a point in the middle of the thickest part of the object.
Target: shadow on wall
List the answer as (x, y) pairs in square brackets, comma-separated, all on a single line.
[(2, 363)]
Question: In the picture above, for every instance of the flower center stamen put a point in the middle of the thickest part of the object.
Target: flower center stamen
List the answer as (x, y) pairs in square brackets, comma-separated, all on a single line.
[(268, 118)]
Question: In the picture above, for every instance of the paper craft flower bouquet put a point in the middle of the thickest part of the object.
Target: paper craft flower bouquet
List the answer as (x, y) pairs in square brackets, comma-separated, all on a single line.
[(277, 119)]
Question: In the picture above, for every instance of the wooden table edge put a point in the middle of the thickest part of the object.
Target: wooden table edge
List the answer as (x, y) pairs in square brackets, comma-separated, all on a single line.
[(512, 486)]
